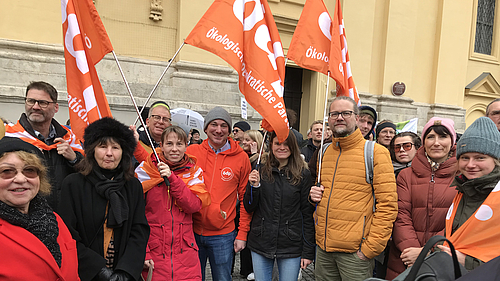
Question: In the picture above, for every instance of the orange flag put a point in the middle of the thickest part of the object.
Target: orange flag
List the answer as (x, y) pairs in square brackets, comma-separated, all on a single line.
[(244, 34), (340, 66), (85, 44), (311, 41)]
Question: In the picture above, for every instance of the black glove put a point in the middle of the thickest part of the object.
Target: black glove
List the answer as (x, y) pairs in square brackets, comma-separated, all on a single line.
[(104, 274), (120, 275)]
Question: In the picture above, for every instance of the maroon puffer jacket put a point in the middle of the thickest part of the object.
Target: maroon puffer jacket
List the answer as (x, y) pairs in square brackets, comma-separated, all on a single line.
[(423, 200)]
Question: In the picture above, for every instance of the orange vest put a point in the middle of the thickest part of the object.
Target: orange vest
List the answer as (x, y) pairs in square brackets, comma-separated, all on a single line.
[(479, 236)]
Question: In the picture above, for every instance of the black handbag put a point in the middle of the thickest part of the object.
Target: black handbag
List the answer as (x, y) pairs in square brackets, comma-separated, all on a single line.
[(438, 266)]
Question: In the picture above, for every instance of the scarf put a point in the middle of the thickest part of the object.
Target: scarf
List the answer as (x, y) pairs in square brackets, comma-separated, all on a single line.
[(18, 131), (111, 189), (40, 221), (434, 164), (176, 165), (479, 236)]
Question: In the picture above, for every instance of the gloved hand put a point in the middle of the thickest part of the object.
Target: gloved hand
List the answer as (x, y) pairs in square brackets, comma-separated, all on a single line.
[(120, 275), (104, 274)]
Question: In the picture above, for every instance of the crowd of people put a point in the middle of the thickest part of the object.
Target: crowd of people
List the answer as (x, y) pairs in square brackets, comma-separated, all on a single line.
[(123, 202)]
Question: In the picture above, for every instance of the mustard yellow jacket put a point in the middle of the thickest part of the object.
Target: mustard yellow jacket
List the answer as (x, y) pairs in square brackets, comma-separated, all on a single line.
[(345, 221)]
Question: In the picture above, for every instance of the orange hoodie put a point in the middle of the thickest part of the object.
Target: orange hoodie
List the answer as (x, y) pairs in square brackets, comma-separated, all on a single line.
[(226, 177)]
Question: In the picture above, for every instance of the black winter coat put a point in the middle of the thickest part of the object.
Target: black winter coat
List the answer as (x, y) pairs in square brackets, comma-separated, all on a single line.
[(58, 167), (83, 210), (308, 150), (282, 224)]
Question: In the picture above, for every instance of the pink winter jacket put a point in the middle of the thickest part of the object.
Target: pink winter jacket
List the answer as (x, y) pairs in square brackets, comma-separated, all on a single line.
[(171, 244)]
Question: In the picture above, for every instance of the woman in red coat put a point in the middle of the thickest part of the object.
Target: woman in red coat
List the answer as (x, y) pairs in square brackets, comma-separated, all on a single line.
[(424, 194), (172, 249), (35, 242)]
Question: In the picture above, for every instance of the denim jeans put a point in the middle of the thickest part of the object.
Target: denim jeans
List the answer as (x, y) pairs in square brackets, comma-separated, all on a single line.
[(219, 251), (263, 268)]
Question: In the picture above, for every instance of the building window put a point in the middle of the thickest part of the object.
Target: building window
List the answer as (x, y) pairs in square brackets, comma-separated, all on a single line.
[(484, 26)]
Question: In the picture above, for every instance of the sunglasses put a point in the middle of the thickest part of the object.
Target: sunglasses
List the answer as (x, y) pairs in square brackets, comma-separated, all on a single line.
[(9, 173), (236, 130), (406, 146)]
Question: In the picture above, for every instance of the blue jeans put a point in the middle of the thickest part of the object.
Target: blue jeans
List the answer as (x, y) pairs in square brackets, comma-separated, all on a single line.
[(263, 268), (219, 251)]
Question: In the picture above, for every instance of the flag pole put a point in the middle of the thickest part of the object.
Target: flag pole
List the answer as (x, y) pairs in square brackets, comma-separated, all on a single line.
[(158, 82), (323, 131), (261, 148), (167, 182)]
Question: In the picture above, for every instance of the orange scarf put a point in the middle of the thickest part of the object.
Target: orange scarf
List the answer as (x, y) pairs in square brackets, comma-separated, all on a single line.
[(148, 174), (17, 131), (479, 236)]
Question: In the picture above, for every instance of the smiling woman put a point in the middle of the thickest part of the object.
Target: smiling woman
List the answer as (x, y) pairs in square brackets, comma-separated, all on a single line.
[(424, 193), (27, 219), (472, 220)]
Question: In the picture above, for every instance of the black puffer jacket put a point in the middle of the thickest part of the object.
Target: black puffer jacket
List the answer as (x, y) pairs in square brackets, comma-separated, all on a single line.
[(282, 216)]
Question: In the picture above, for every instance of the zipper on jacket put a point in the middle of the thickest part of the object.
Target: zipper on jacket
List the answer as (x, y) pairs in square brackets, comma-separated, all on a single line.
[(331, 189), (163, 244), (204, 215), (262, 228), (363, 233), (432, 177), (172, 245)]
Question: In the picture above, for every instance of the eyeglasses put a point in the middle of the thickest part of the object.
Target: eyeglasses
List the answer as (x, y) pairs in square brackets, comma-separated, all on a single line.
[(158, 118), (406, 146), (9, 173), (41, 103), (345, 114), (236, 130)]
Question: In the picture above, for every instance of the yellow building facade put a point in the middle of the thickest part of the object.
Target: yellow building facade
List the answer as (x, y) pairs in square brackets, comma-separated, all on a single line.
[(429, 45)]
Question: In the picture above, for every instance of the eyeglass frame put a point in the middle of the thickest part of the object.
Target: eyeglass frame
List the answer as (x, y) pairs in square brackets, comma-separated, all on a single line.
[(343, 113), (402, 145), (3, 175), (237, 130), (159, 118), (42, 103)]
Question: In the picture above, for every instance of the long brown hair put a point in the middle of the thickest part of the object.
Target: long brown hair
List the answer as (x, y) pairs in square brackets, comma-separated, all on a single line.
[(293, 168)]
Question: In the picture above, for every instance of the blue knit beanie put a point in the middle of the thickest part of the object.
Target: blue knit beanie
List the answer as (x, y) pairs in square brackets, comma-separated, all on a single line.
[(482, 136)]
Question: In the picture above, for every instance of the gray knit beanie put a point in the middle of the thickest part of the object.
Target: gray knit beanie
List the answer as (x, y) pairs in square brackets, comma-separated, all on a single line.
[(482, 136), (217, 113)]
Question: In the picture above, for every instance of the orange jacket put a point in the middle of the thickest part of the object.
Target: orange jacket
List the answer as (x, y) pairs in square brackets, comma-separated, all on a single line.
[(226, 177)]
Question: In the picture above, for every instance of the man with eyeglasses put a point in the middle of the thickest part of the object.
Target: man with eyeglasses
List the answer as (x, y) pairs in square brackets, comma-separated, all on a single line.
[(60, 147), (159, 119), (350, 232), (493, 112), (384, 132)]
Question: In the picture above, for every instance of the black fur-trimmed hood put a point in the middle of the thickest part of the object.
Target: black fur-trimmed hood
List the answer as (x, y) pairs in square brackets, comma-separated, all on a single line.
[(109, 127)]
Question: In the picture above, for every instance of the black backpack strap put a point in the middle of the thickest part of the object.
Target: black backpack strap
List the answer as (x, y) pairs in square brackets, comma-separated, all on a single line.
[(428, 246)]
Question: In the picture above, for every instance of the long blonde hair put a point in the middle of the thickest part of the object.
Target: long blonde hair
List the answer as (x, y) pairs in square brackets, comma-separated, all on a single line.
[(257, 137)]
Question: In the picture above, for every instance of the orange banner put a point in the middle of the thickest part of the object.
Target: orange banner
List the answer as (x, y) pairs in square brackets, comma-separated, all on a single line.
[(311, 41), (85, 44), (340, 66), (244, 34)]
